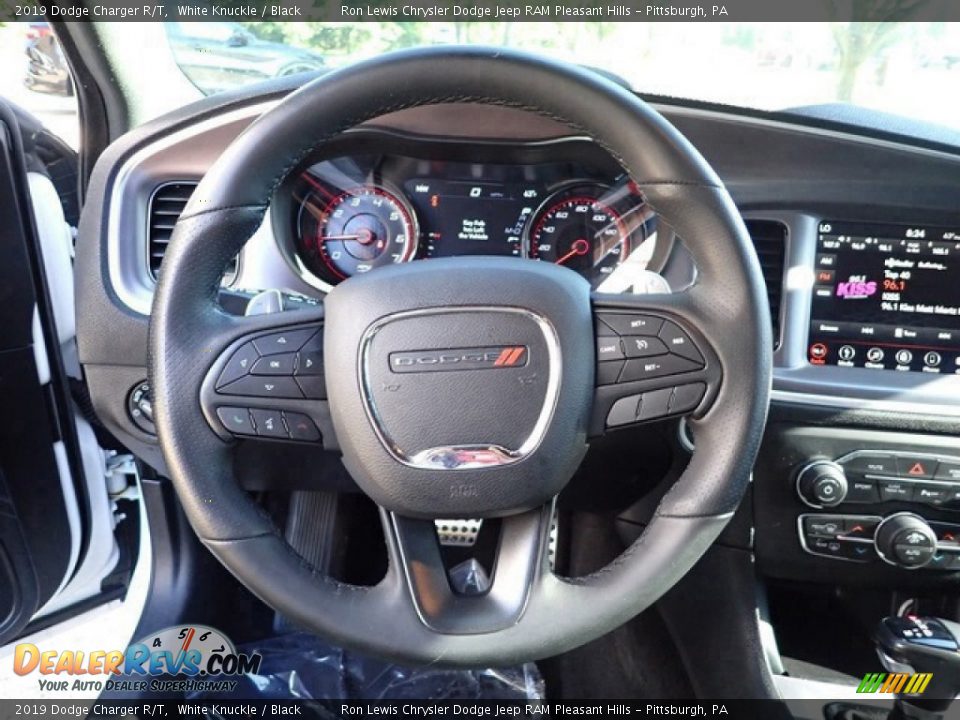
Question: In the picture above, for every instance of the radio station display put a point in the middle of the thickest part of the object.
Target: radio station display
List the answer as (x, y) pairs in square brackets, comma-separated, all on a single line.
[(886, 297)]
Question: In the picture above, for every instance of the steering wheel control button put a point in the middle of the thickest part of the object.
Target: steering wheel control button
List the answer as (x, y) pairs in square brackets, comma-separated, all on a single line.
[(314, 387), (609, 348), (309, 363), (284, 342), (660, 366), (654, 404), (259, 386), (608, 372), (631, 324), (236, 420), (239, 365), (687, 397), (301, 427), (643, 346), (679, 343), (275, 365), (624, 411), (269, 423)]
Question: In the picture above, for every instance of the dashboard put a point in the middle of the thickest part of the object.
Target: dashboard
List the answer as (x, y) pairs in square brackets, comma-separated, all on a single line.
[(563, 202)]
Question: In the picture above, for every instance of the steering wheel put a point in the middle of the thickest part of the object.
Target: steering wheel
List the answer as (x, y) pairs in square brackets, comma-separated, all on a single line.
[(466, 387)]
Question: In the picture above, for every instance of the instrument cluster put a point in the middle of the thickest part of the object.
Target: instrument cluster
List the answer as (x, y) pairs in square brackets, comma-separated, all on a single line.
[(352, 213)]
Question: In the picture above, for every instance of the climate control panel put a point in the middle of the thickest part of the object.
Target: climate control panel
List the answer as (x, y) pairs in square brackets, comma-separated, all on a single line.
[(903, 539)]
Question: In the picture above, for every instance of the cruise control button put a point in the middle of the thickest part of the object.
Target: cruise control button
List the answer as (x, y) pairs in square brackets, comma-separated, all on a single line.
[(916, 467), (645, 368), (686, 397), (259, 386), (947, 470), (239, 364), (609, 372), (236, 420), (637, 347), (275, 365), (655, 404), (301, 427), (309, 363), (624, 411), (284, 342), (872, 464), (314, 387), (893, 490), (269, 423), (609, 348), (679, 342), (931, 494), (631, 324), (861, 490)]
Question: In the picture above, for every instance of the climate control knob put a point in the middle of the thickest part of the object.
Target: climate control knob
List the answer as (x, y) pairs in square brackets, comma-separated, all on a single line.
[(906, 540), (822, 484)]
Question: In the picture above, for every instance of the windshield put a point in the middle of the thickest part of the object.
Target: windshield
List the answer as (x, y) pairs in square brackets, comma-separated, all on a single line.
[(898, 68)]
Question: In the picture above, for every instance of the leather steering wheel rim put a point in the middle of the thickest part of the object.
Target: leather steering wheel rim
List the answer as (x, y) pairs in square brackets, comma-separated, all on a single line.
[(727, 305)]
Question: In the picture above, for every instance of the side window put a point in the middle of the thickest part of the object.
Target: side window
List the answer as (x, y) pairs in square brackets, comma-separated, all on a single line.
[(36, 77)]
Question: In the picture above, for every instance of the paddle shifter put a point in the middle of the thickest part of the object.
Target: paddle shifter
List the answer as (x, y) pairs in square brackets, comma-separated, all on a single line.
[(926, 652)]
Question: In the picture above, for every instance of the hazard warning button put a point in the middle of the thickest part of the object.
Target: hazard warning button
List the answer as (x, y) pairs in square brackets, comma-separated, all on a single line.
[(921, 468)]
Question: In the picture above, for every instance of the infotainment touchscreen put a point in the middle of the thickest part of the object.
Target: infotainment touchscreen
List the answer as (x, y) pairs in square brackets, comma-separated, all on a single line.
[(886, 297)]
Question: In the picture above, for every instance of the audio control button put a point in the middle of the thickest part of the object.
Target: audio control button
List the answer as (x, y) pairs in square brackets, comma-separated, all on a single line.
[(872, 464)]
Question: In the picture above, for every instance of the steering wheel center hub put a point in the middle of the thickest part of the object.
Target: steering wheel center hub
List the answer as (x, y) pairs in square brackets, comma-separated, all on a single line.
[(463, 379)]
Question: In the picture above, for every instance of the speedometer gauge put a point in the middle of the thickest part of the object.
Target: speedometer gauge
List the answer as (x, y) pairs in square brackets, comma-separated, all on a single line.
[(354, 232)]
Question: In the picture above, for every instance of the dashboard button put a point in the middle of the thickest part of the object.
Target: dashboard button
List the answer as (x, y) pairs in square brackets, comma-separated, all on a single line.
[(624, 411), (860, 528), (655, 404), (284, 342), (895, 490), (269, 423), (916, 467), (823, 526), (860, 551), (239, 364), (871, 464), (642, 346), (687, 397), (645, 368), (679, 342), (236, 420), (301, 427), (862, 490), (609, 372), (270, 387), (631, 324), (275, 365), (609, 348), (825, 546), (947, 470), (931, 494)]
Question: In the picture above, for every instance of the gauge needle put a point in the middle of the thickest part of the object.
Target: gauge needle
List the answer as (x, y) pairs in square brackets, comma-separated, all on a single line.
[(364, 237), (579, 247)]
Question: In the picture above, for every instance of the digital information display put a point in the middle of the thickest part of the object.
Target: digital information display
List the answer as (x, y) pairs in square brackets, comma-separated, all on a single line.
[(886, 297)]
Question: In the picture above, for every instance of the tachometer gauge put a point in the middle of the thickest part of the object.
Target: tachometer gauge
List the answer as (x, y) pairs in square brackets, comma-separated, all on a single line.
[(354, 232)]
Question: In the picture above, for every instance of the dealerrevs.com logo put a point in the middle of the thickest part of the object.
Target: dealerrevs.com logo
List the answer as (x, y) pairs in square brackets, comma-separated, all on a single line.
[(176, 659)]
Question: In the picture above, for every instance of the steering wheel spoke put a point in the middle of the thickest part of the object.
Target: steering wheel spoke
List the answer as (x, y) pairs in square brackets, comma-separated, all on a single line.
[(652, 362), (521, 559), (268, 381)]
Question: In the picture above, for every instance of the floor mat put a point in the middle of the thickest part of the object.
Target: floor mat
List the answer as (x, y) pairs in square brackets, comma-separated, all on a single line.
[(299, 666)]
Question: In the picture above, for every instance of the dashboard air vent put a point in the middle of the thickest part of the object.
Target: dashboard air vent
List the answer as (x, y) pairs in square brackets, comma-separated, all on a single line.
[(166, 205), (770, 240)]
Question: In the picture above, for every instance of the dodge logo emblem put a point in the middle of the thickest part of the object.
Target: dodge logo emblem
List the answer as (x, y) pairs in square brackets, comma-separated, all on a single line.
[(481, 358)]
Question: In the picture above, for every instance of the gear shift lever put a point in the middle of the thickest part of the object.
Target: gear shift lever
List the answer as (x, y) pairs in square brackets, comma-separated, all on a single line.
[(914, 645)]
